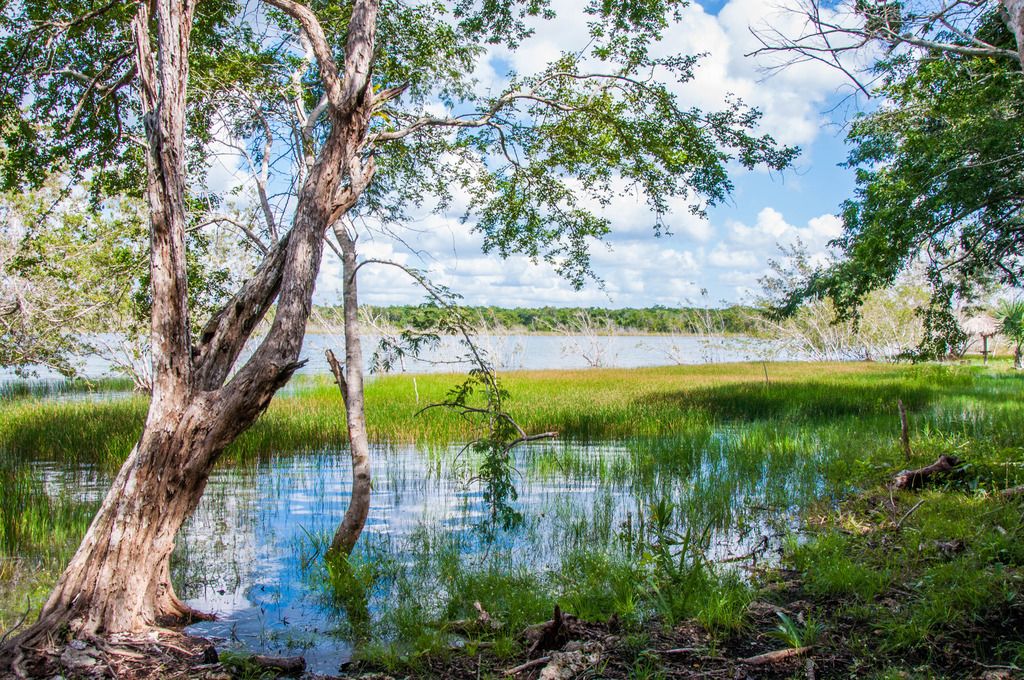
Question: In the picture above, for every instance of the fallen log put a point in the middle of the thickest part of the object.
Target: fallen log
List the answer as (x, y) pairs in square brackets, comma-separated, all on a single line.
[(288, 665), (774, 657), (915, 479)]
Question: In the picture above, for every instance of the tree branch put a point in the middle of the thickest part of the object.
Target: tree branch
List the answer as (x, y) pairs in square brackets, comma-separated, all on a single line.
[(230, 328), (321, 48)]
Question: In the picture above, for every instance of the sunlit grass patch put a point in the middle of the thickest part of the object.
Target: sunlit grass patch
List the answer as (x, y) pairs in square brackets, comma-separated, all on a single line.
[(935, 574)]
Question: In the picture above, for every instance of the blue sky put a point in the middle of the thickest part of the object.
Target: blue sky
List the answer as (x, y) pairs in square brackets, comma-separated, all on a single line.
[(724, 254)]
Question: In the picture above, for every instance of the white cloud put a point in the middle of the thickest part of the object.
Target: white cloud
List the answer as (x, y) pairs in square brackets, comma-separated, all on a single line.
[(639, 270), (772, 229), (790, 98)]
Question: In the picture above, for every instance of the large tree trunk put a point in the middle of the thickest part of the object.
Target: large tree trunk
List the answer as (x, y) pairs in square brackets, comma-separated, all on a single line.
[(351, 384), (119, 579)]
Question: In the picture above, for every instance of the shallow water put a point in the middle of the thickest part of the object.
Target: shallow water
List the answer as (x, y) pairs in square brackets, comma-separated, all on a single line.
[(252, 552), (246, 553)]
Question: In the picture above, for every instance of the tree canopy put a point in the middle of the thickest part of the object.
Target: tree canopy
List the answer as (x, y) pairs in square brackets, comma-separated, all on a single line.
[(939, 172), (534, 156)]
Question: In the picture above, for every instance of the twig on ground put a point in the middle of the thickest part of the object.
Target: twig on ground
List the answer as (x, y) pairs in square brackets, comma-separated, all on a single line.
[(776, 656), (540, 661), (909, 513)]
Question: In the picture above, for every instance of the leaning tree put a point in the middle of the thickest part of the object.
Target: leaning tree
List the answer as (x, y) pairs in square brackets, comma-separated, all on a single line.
[(364, 107)]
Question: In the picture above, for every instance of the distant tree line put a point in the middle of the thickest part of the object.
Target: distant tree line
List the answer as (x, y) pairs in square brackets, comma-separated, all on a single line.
[(737, 319)]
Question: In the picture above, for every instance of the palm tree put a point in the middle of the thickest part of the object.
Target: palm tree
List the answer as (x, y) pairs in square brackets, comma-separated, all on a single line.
[(1011, 325)]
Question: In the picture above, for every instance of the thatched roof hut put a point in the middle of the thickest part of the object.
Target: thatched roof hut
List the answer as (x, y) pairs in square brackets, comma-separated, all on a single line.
[(981, 325)]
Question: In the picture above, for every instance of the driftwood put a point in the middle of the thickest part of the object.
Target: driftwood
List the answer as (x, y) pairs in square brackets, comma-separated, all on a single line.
[(915, 479), (550, 635), (775, 657), (289, 665), (468, 626)]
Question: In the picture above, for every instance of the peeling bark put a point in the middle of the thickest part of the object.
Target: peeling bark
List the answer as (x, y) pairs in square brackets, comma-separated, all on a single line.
[(1014, 17), (119, 578)]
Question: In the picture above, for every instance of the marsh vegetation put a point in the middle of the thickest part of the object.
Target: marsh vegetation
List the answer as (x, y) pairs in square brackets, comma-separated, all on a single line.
[(675, 496)]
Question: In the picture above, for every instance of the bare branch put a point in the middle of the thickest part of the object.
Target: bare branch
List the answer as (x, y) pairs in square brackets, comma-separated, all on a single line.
[(828, 34), (241, 226), (486, 117), (229, 329), (321, 48)]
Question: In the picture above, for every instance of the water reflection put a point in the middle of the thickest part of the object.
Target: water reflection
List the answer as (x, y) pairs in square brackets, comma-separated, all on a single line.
[(246, 553)]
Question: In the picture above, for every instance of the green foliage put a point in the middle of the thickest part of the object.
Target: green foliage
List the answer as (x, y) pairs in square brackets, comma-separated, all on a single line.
[(244, 668), (939, 173), (542, 148), (1011, 321), (65, 269), (71, 266), (796, 634)]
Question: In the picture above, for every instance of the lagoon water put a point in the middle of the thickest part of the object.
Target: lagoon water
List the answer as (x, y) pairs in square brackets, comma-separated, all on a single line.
[(252, 553), (518, 351)]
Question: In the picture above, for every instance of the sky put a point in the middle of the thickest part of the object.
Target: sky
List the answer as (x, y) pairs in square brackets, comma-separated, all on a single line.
[(724, 255)]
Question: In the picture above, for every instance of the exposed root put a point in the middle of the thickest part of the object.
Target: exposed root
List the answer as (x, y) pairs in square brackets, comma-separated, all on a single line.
[(156, 654)]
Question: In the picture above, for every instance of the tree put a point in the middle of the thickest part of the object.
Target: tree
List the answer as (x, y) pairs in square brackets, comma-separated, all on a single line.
[(885, 325), (73, 273), (1011, 325), (64, 270), (938, 162), (133, 96)]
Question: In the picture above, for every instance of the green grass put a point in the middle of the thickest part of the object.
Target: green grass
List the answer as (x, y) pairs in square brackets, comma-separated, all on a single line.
[(703, 451), (942, 584), (596, 404)]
